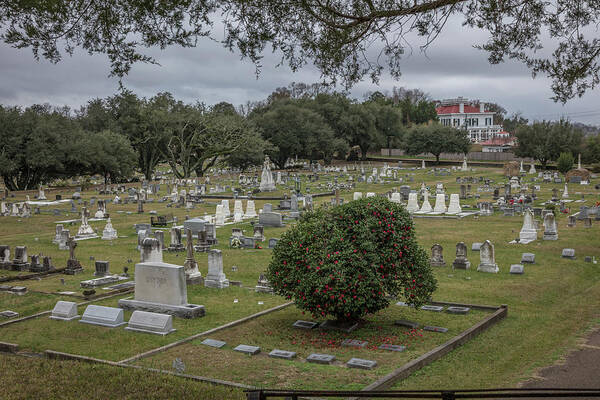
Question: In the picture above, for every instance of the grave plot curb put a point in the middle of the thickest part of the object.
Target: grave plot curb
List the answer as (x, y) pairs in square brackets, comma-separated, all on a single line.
[(8, 347), (13, 321), (30, 276), (205, 333), (407, 369), (57, 355)]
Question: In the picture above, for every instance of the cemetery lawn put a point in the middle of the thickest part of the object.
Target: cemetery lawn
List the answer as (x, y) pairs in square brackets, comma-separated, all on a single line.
[(549, 307), (275, 331), (39, 378)]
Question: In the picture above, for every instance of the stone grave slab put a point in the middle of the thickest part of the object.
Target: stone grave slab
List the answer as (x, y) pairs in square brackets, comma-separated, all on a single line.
[(433, 308), (320, 358), (392, 347), (125, 285), (246, 349), (9, 314), (149, 322), (104, 316), (568, 253), (406, 323), (105, 280), (458, 310), (213, 343), (64, 311), (361, 364), (341, 326), (286, 355), (305, 324), (402, 304), (516, 269), (438, 329), (354, 343), (18, 289), (528, 258)]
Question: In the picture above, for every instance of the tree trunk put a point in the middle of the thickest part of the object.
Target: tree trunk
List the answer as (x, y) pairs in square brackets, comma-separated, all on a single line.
[(437, 159)]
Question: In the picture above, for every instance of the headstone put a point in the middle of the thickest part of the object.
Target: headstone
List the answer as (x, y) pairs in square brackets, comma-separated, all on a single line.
[(572, 221), (392, 347), (454, 206), (320, 358), (461, 262), (426, 206), (550, 230), (102, 268), (109, 233), (270, 219), (251, 350), (250, 209), (213, 343), (361, 364), (64, 311), (192, 274), (104, 316), (528, 232), (406, 324), (305, 324), (215, 278), (458, 310), (440, 203), (286, 355), (176, 240), (354, 343), (437, 256), (266, 179), (568, 253), (412, 205), (516, 269), (487, 258), (150, 322), (528, 258)]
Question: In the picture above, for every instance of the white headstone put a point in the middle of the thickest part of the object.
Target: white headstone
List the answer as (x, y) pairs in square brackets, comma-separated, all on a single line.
[(440, 203), (150, 322), (357, 196), (550, 230), (370, 194), (395, 198), (528, 232), (250, 209), (225, 204), (412, 205), (109, 233), (426, 206), (219, 216), (266, 178), (215, 278), (104, 316), (454, 206), (238, 211), (64, 311)]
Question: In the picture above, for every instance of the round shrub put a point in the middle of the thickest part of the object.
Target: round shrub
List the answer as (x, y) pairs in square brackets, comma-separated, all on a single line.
[(343, 261)]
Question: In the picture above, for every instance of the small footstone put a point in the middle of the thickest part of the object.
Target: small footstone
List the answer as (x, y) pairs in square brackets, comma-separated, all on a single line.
[(64, 311), (406, 323), (9, 314), (432, 308), (435, 329), (305, 324), (568, 253), (528, 258), (392, 347), (286, 355), (320, 358), (342, 326), (213, 343), (587, 259), (150, 322), (110, 317), (361, 364), (252, 350), (516, 269), (458, 310), (354, 343)]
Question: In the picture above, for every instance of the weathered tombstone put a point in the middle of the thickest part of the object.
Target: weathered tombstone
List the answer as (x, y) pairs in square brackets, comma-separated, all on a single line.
[(437, 256), (440, 203), (550, 230), (361, 364), (454, 205), (215, 278), (487, 258), (109, 233), (150, 322), (110, 317), (263, 285), (528, 232), (412, 205), (528, 258), (270, 219), (59, 229), (273, 242), (192, 274), (587, 222), (286, 355), (176, 242), (102, 268), (5, 257), (20, 262), (516, 269), (461, 262)]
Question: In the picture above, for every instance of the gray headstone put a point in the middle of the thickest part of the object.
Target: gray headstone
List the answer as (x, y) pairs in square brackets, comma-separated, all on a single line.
[(458, 310), (406, 324), (392, 347), (432, 308), (305, 324), (528, 258), (104, 316), (286, 355), (516, 269), (361, 364), (568, 253), (252, 350), (320, 358), (354, 343), (149, 322), (64, 311), (213, 343), (476, 246)]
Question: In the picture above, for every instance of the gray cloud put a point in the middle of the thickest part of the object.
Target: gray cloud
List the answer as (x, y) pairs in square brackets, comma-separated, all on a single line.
[(451, 67)]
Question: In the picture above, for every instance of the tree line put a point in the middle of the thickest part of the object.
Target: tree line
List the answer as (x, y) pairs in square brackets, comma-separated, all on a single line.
[(124, 133)]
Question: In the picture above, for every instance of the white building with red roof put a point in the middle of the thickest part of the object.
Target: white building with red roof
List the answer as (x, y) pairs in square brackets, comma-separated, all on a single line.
[(469, 115)]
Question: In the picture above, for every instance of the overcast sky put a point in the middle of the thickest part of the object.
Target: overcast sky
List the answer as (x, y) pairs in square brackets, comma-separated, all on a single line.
[(210, 73)]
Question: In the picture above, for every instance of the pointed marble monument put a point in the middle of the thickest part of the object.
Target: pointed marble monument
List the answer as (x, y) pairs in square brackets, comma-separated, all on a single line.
[(225, 204), (528, 232), (192, 275), (85, 230), (426, 206)]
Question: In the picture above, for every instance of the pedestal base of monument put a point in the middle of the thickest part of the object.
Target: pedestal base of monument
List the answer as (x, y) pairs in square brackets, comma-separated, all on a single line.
[(194, 279), (550, 236), (491, 268), (437, 264), (20, 266), (183, 311), (459, 264), (176, 248), (73, 267), (216, 283)]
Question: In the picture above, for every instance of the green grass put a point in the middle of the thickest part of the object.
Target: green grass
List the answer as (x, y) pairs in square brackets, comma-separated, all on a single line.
[(550, 306)]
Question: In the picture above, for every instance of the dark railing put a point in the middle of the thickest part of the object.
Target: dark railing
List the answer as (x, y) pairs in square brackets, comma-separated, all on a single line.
[(264, 394)]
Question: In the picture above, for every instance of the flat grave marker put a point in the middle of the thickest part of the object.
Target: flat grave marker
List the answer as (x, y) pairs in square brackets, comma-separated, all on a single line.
[(438, 329), (110, 317), (407, 324), (320, 358), (354, 343), (433, 308), (213, 343), (150, 322), (243, 348), (458, 310), (286, 355), (305, 324), (392, 347), (361, 364)]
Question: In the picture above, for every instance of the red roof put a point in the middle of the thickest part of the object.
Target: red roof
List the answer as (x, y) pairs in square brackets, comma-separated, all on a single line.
[(499, 141), (454, 109)]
